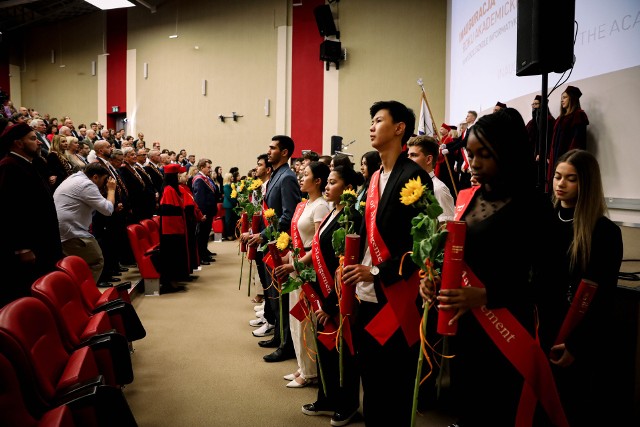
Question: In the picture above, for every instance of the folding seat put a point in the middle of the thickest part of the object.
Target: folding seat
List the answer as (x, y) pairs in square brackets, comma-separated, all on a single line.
[(121, 313), (153, 231), (50, 376), (77, 328), (143, 251)]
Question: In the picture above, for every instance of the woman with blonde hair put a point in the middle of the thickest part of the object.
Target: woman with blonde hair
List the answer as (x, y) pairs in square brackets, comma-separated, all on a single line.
[(59, 166), (588, 247), (72, 149)]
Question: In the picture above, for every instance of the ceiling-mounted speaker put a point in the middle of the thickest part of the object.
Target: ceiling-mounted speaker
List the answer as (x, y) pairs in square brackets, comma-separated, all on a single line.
[(324, 19)]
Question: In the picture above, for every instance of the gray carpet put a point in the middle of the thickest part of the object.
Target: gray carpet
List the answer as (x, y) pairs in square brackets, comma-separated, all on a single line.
[(200, 366)]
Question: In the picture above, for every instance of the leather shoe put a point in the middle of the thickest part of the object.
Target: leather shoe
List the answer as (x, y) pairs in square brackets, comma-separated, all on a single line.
[(279, 355), (115, 274), (168, 289), (342, 419), (203, 262), (315, 409), (212, 254), (115, 279), (105, 285), (122, 269), (272, 343)]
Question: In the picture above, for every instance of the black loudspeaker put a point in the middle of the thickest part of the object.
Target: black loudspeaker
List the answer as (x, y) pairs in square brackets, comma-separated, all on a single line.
[(545, 36), (330, 51), (324, 19), (336, 144)]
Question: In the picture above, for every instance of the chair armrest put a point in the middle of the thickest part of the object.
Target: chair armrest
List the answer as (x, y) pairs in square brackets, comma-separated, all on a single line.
[(62, 396), (116, 303), (122, 286)]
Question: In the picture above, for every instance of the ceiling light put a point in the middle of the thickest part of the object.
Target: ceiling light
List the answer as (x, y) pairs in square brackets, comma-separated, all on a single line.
[(173, 36), (110, 4)]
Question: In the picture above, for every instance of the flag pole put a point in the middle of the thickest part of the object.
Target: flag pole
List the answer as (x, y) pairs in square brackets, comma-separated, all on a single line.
[(436, 134)]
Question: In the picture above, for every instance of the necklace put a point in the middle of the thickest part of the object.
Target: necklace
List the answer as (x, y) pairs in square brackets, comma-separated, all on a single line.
[(564, 220)]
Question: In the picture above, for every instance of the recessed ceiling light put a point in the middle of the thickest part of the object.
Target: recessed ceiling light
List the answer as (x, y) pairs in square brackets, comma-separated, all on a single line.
[(173, 36), (110, 4)]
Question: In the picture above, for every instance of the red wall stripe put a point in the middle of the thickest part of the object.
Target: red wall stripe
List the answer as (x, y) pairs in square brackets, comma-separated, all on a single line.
[(116, 62), (5, 80), (307, 79)]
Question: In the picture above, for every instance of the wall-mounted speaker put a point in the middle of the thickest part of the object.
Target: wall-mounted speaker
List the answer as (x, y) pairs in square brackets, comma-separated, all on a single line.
[(336, 144), (545, 36), (324, 19)]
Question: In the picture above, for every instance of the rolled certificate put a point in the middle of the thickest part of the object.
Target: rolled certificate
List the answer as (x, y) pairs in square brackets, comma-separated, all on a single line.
[(327, 337), (255, 229), (277, 259), (351, 256), (244, 227), (579, 306), (452, 271)]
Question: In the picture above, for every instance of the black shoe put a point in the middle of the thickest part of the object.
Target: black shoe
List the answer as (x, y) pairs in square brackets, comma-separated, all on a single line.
[(168, 289), (342, 419), (190, 278), (279, 355), (203, 262), (315, 409), (114, 279), (105, 285), (122, 269), (272, 343), (212, 254), (115, 273)]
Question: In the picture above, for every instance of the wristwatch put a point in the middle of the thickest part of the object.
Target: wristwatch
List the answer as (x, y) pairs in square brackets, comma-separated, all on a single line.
[(375, 270)]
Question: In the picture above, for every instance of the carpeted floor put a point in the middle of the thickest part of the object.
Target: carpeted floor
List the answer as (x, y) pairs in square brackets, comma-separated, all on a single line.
[(200, 366)]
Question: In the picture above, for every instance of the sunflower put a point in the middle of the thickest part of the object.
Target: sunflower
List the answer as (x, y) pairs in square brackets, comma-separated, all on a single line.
[(363, 204), (241, 186), (234, 194), (255, 184), (412, 191), (269, 213), (283, 241)]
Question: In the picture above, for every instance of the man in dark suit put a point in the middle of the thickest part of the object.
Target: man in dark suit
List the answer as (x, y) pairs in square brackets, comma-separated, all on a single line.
[(388, 348), (30, 244), (142, 205), (282, 195), (40, 128), (204, 193)]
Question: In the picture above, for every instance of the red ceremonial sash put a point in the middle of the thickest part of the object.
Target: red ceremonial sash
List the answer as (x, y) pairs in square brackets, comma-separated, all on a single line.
[(206, 181), (517, 345), (296, 239), (323, 275), (400, 310)]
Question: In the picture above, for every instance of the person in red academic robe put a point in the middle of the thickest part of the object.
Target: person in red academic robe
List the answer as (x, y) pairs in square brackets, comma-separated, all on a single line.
[(174, 251), (570, 129), (193, 216)]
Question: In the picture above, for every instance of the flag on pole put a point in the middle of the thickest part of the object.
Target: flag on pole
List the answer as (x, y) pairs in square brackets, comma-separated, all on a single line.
[(425, 125)]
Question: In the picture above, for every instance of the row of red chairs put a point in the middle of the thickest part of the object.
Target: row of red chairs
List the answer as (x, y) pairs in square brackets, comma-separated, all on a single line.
[(64, 353), (145, 239)]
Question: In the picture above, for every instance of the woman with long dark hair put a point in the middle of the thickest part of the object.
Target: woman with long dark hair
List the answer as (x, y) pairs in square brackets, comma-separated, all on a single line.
[(589, 248), (570, 130), (369, 163), (506, 222)]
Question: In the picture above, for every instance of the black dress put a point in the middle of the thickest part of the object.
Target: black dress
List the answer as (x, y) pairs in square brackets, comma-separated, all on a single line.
[(582, 386), (503, 249)]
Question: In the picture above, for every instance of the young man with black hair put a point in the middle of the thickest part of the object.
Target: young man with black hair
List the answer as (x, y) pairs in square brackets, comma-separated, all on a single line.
[(386, 281)]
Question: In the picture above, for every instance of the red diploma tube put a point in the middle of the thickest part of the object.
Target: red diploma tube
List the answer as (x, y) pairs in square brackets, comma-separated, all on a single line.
[(579, 306), (277, 260), (312, 297), (244, 227), (255, 229), (452, 271), (351, 256)]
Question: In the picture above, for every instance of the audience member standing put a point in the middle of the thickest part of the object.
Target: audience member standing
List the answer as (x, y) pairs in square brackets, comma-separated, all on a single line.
[(76, 199), (204, 193), (30, 244)]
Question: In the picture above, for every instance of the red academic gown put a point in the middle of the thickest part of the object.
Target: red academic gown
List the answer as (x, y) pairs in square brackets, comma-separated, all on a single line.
[(174, 250), (569, 132), (193, 216)]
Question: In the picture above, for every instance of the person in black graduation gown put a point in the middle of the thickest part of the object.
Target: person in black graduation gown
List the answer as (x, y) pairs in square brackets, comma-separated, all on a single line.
[(588, 246)]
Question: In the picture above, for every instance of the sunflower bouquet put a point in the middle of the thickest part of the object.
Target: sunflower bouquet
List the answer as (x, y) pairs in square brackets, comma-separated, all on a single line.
[(428, 253), (348, 199), (248, 194)]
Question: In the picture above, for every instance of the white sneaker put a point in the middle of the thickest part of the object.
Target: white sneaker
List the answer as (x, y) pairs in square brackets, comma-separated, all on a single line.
[(259, 307), (264, 330), (260, 314), (257, 322)]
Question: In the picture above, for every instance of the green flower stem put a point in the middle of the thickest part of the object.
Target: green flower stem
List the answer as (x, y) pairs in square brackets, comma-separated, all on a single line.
[(318, 344), (416, 387), (241, 265), (280, 325)]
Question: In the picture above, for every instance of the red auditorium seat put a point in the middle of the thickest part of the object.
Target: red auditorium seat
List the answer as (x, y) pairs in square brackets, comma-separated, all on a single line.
[(50, 375), (121, 313), (77, 328), (13, 410), (153, 231), (141, 247)]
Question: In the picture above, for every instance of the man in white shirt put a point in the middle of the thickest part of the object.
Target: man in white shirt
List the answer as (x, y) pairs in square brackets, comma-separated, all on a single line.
[(423, 150), (76, 199)]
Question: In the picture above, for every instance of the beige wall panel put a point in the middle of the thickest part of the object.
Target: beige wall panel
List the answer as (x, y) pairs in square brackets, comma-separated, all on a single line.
[(389, 46), (236, 53), (63, 91)]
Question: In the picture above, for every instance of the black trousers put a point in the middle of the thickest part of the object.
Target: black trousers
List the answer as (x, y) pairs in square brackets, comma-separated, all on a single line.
[(271, 296), (388, 373), (204, 230)]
